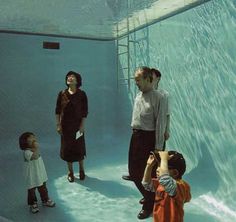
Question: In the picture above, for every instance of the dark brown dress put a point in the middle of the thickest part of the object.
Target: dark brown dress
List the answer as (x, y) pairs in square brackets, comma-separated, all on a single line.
[(72, 108)]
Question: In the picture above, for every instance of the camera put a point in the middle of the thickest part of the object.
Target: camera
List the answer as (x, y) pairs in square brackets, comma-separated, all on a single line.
[(156, 155)]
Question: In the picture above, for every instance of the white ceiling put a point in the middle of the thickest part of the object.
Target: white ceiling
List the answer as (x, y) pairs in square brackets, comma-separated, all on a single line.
[(95, 19)]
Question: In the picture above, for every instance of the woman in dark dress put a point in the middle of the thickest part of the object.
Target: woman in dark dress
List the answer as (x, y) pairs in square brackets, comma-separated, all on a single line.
[(71, 112)]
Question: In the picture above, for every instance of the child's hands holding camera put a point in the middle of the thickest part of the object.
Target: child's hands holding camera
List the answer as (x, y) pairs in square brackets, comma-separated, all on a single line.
[(151, 160), (164, 155)]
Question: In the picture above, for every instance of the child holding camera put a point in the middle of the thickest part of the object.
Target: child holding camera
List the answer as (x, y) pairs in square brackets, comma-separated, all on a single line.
[(171, 192), (35, 173)]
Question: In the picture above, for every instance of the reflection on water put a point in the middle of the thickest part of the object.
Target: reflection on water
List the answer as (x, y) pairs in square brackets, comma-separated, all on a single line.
[(214, 207), (102, 196)]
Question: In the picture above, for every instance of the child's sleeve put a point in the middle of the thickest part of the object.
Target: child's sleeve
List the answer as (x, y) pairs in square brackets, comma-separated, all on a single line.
[(148, 186), (151, 186), (28, 154), (169, 184)]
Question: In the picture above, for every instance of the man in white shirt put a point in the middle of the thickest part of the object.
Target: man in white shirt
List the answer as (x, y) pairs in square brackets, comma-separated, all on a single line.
[(148, 133)]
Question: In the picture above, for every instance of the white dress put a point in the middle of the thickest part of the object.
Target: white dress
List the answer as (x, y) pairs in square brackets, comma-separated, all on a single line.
[(34, 170)]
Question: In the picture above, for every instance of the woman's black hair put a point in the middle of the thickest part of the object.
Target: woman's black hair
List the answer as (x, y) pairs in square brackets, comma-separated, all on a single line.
[(77, 76), (23, 140)]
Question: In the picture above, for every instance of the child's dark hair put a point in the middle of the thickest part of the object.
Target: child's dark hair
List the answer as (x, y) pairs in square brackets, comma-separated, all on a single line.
[(177, 162), (23, 140)]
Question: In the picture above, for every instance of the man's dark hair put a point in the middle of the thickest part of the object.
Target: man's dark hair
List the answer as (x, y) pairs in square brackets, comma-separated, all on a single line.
[(146, 71), (23, 140), (77, 76), (156, 72)]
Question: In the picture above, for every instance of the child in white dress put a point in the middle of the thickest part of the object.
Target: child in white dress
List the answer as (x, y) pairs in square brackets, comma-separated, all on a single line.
[(34, 172)]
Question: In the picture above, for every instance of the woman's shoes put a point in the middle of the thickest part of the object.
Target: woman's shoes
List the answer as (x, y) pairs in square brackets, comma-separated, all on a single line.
[(71, 177), (81, 175)]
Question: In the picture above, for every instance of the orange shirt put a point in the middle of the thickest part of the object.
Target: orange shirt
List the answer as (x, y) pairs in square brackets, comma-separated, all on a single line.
[(167, 208)]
